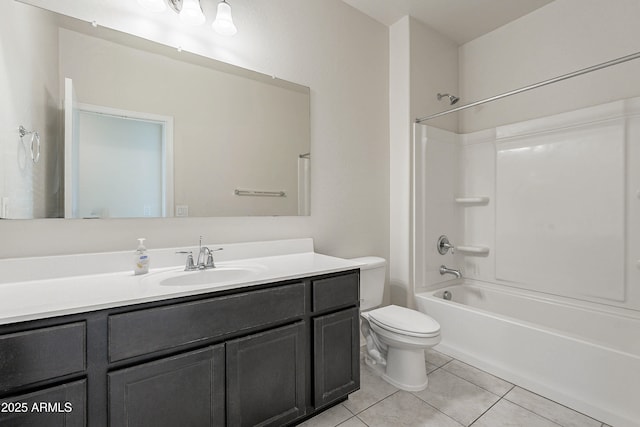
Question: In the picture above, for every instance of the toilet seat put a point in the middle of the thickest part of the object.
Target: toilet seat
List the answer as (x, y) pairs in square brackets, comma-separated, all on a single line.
[(404, 321)]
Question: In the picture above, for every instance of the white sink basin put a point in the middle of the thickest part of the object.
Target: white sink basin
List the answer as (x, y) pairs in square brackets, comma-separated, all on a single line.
[(222, 274)]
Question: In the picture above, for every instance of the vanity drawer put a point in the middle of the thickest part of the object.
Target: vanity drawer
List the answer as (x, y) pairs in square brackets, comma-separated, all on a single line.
[(41, 354), (146, 331), (335, 291), (60, 406)]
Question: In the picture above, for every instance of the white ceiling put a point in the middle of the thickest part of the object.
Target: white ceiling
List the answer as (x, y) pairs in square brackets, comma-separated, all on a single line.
[(460, 20)]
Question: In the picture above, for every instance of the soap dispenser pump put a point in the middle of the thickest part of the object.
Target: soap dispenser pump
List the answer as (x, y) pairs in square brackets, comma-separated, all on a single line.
[(141, 258)]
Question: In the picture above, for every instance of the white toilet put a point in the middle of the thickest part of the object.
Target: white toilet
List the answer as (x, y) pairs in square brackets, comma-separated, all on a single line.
[(396, 336)]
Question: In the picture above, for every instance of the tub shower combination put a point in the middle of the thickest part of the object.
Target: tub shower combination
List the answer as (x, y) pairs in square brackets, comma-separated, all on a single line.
[(542, 219), (586, 359)]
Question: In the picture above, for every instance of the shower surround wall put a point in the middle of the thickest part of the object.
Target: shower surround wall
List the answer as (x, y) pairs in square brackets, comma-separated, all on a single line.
[(563, 209), (545, 215)]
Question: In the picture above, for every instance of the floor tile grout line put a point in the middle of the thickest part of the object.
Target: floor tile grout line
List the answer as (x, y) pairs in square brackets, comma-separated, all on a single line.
[(534, 412), (350, 418), (362, 421), (443, 413), (500, 397), (478, 385), (503, 396), (482, 388), (375, 403), (553, 401), (542, 416), (451, 359), (487, 410), (508, 391), (348, 409), (484, 372)]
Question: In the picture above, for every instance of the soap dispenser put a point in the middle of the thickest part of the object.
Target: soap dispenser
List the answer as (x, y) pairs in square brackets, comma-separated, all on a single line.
[(141, 258)]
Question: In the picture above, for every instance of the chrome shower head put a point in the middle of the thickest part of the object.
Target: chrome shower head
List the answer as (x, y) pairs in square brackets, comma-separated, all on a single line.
[(452, 98)]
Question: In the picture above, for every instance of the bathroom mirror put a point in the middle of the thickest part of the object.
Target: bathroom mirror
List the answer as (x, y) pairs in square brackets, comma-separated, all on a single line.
[(150, 131)]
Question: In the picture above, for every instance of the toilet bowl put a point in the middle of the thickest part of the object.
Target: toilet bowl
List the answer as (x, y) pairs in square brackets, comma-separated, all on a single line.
[(396, 340), (396, 337)]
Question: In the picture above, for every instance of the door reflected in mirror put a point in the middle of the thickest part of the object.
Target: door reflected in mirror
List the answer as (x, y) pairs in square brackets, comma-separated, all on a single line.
[(122, 164)]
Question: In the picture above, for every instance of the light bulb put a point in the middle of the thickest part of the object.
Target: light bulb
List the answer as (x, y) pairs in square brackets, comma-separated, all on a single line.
[(153, 5), (223, 23), (191, 13)]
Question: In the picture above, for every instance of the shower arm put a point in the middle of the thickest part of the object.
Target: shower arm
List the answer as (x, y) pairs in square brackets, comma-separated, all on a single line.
[(536, 85)]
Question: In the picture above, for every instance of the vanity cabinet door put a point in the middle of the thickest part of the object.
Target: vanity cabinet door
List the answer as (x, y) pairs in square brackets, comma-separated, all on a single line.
[(185, 390), (266, 377), (60, 406), (336, 356)]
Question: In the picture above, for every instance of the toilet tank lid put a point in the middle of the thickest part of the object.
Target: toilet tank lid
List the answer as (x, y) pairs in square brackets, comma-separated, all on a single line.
[(370, 262)]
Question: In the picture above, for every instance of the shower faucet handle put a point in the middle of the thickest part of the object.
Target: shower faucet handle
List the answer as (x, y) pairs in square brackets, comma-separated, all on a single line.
[(444, 245)]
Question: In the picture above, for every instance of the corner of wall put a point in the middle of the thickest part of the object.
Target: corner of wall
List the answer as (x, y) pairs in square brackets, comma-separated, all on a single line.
[(399, 159)]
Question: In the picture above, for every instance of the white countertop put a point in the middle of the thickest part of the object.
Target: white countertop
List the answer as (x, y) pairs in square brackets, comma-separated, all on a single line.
[(43, 298)]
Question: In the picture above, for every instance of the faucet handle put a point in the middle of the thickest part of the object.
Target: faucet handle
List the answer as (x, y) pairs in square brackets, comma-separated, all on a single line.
[(210, 262), (444, 245), (189, 265)]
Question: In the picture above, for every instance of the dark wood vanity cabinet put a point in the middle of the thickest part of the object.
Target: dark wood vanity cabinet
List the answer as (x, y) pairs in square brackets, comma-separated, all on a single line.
[(336, 338), (336, 356), (269, 355), (266, 383)]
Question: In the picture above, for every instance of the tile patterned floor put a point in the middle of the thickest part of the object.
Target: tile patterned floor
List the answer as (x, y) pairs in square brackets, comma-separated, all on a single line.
[(458, 395)]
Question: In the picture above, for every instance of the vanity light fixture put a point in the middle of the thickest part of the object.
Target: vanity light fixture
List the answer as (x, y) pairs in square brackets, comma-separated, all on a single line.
[(223, 23), (190, 12)]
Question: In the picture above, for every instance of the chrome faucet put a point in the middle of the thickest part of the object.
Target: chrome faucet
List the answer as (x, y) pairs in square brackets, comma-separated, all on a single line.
[(205, 258), (444, 270)]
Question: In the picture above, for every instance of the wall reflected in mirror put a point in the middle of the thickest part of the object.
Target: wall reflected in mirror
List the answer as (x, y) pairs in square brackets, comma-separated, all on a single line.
[(218, 128)]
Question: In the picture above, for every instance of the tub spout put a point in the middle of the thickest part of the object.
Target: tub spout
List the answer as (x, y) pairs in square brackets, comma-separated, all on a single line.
[(444, 270)]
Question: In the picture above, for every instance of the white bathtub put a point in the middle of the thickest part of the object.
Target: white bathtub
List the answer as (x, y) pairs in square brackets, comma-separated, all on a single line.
[(583, 358)]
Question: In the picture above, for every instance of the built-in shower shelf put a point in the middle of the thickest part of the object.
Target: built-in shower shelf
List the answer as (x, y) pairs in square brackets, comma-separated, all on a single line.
[(473, 250), (476, 200)]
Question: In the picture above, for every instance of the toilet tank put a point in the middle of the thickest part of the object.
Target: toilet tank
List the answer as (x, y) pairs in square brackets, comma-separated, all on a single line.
[(372, 278)]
